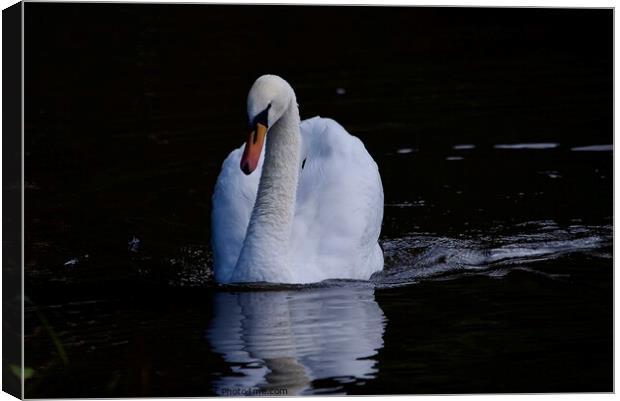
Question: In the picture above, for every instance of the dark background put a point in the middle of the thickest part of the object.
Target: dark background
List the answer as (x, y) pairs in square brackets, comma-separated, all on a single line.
[(130, 110)]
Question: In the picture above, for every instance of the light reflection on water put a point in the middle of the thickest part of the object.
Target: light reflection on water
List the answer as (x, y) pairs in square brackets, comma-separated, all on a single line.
[(288, 339), (274, 336), (536, 146), (594, 148), (412, 258)]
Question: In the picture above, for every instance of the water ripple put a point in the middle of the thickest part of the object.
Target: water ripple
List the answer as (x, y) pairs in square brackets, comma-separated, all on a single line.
[(422, 256)]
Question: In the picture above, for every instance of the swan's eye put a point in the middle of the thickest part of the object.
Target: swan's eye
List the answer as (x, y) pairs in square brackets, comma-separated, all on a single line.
[(261, 118)]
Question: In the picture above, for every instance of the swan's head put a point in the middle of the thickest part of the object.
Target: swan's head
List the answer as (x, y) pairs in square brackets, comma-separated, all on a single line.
[(269, 98)]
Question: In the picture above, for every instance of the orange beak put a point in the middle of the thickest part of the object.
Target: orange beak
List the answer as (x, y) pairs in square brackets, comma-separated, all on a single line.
[(252, 150)]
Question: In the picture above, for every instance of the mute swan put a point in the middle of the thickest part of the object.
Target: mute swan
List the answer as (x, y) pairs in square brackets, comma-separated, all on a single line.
[(307, 209)]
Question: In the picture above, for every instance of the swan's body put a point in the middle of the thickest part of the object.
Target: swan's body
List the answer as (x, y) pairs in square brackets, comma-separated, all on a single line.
[(288, 224)]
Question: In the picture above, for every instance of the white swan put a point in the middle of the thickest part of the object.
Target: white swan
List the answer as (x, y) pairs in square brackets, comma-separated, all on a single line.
[(313, 208)]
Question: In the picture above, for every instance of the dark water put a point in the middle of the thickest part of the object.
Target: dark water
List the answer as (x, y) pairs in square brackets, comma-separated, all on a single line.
[(493, 133)]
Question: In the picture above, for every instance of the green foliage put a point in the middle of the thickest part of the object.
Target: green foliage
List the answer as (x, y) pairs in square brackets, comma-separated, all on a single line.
[(28, 372)]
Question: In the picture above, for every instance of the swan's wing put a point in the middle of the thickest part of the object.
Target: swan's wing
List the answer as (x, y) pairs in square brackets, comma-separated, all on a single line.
[(339, 206), (233, 199)]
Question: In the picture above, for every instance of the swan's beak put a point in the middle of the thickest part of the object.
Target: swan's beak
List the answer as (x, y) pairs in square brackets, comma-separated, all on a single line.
[(253, 147)]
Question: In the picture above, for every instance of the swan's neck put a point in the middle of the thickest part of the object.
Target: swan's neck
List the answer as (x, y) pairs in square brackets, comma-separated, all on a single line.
[(264, 256)]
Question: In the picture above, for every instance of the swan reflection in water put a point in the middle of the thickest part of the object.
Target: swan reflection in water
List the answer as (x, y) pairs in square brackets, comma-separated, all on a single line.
[(286, 339)]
